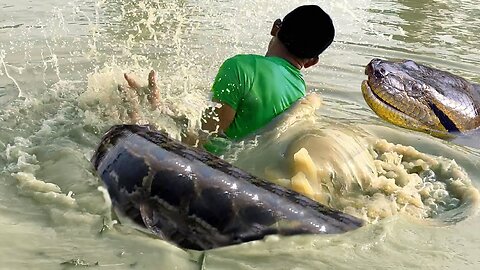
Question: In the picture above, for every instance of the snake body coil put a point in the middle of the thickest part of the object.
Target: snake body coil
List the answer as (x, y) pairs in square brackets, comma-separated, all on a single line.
[(197, 200)]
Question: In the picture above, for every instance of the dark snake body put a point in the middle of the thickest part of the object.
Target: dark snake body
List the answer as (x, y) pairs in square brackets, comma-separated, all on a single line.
[(197, 200)]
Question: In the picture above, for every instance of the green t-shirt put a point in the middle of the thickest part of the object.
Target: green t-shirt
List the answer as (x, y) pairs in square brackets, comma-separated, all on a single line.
[(258, 88)]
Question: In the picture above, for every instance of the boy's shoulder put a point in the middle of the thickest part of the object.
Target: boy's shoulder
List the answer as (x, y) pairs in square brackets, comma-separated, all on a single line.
[(243, 63), (245, 58)]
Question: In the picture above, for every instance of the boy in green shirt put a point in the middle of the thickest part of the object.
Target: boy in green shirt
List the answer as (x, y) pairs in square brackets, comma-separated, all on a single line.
[(254, 89)]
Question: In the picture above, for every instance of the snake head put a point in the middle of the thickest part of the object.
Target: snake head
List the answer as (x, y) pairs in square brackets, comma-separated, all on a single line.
[(422, 98)]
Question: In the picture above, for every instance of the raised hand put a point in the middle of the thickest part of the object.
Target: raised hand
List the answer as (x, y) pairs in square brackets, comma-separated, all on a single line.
[(152, 92), (133, 91)]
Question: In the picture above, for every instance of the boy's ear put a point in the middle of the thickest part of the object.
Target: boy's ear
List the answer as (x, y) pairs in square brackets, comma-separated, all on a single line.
[(311, 62), (276, 27)]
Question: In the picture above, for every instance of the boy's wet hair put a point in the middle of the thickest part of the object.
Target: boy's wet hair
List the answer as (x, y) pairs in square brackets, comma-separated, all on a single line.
[(306, 31)]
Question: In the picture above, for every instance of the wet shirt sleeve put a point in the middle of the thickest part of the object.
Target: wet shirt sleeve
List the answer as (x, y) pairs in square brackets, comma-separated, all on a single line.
[(228, 86)]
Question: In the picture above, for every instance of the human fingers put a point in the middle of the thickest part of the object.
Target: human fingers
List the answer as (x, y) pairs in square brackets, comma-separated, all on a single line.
[(131, 82), (152, 80), (131, 103), (153, 93)]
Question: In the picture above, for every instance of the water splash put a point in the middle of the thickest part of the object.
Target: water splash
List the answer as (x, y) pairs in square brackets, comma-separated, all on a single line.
[(351, 170), (5, 71)]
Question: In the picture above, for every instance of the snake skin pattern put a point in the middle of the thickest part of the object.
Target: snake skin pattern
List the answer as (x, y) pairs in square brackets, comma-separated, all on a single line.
[(197, 200), (422, 98)]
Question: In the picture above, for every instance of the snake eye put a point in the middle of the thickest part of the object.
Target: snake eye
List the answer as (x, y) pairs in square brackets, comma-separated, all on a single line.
[(417, 87), (380, 73)]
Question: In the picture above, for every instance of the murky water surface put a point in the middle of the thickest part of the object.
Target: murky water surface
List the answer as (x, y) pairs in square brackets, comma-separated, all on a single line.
[(60, 63)]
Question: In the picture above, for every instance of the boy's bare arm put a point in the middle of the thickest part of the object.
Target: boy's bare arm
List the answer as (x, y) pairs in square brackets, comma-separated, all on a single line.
[(215, 120)]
